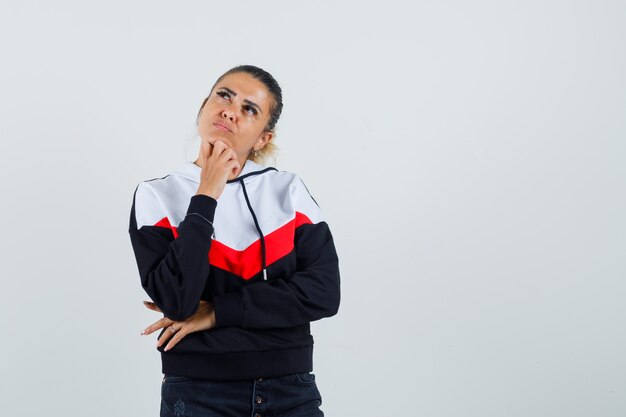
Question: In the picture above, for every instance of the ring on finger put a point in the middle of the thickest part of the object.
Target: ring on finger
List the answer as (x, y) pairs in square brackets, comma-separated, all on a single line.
[(172, 329)]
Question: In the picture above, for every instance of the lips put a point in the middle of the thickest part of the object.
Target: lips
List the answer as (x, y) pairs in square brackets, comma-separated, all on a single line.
[(222, 127)]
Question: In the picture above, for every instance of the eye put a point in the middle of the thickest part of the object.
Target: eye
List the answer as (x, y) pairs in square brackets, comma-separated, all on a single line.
[(223, 94), (251, 109)]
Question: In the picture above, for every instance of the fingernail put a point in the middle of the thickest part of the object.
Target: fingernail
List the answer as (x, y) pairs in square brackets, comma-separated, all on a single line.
[(166, 348), (143, 332)]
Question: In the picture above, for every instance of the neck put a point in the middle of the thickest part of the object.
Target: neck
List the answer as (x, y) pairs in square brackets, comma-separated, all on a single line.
[(231, 176)]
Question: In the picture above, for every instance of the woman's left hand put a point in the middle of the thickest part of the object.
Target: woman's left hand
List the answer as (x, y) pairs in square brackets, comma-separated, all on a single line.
[(203, 319)]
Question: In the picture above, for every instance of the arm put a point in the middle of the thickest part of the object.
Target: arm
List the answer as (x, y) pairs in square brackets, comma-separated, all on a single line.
[(173, 270), (311, 293)]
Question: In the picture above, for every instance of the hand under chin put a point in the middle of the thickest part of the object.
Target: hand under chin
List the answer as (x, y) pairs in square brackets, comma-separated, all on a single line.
[(233, 175)]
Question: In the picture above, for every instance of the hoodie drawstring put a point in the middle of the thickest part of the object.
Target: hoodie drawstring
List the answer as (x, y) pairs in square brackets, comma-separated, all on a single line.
[(256, 223)]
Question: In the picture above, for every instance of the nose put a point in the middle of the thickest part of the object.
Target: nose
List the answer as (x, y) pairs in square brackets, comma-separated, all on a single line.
[(228, 113)]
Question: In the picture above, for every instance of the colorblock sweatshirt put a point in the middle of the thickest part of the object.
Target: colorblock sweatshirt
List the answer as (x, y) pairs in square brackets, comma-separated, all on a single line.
[(262, 253)]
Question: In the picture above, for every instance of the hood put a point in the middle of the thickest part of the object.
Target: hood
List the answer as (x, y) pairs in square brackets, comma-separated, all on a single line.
[(192, 172)]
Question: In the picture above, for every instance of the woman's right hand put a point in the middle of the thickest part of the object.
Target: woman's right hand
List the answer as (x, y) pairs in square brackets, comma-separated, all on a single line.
[(218, 161)]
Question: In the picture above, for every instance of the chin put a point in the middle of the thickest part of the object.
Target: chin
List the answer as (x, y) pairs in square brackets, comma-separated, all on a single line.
[(220, 136)]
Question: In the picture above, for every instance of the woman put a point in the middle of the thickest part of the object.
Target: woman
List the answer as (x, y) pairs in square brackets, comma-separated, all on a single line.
[(239, 260)]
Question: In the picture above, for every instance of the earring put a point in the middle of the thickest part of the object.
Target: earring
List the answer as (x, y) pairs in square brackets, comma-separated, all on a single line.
[(254, 152)]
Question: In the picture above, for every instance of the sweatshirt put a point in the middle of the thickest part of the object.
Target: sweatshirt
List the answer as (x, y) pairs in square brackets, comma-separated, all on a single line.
[(262, 253)]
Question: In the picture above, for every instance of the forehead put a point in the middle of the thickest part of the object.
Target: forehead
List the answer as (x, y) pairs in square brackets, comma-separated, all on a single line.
[(247, 87)]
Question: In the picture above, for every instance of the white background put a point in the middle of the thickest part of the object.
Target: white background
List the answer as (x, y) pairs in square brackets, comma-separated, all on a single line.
[(469, 158)]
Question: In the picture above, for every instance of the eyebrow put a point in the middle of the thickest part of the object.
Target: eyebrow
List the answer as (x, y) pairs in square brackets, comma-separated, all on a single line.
[(245, 100)]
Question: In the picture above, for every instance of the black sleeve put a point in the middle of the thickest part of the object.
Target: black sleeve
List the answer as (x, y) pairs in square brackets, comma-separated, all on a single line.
[(173, 263)]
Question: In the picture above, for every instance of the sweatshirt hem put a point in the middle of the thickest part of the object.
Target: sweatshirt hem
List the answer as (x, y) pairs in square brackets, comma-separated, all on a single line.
[(238, 365)]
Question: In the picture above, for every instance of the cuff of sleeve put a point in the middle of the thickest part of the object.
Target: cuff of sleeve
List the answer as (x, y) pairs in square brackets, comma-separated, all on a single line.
[(203, 205), (228, 309)]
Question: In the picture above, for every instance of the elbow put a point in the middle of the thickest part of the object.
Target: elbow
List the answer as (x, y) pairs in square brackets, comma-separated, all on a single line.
[(334, 307), (174, 309), (176, 303), (331, 306), (336, 294), (328, 309), (182, 310), (180, 314)]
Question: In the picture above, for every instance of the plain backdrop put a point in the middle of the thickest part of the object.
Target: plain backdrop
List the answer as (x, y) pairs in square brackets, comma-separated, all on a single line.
[(469, 158)]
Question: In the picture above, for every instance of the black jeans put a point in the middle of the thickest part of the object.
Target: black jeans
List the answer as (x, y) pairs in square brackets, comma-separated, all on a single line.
[(294, 395)]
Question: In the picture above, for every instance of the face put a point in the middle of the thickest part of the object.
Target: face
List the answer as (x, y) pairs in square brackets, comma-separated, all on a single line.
[(236, 113)]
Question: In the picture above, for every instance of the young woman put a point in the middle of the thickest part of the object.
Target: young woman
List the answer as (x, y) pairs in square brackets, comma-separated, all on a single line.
[(239, 259)]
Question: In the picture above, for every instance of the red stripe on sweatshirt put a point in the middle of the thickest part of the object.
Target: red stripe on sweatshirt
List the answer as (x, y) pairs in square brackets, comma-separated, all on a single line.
[(247, 263), (165, 222)]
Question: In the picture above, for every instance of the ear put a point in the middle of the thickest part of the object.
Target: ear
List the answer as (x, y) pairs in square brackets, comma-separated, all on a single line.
[(263, 140)]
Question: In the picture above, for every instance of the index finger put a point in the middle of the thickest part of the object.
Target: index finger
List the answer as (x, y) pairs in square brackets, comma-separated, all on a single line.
[(157, 325), (152, 306), (209, 150), (221, 146)]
